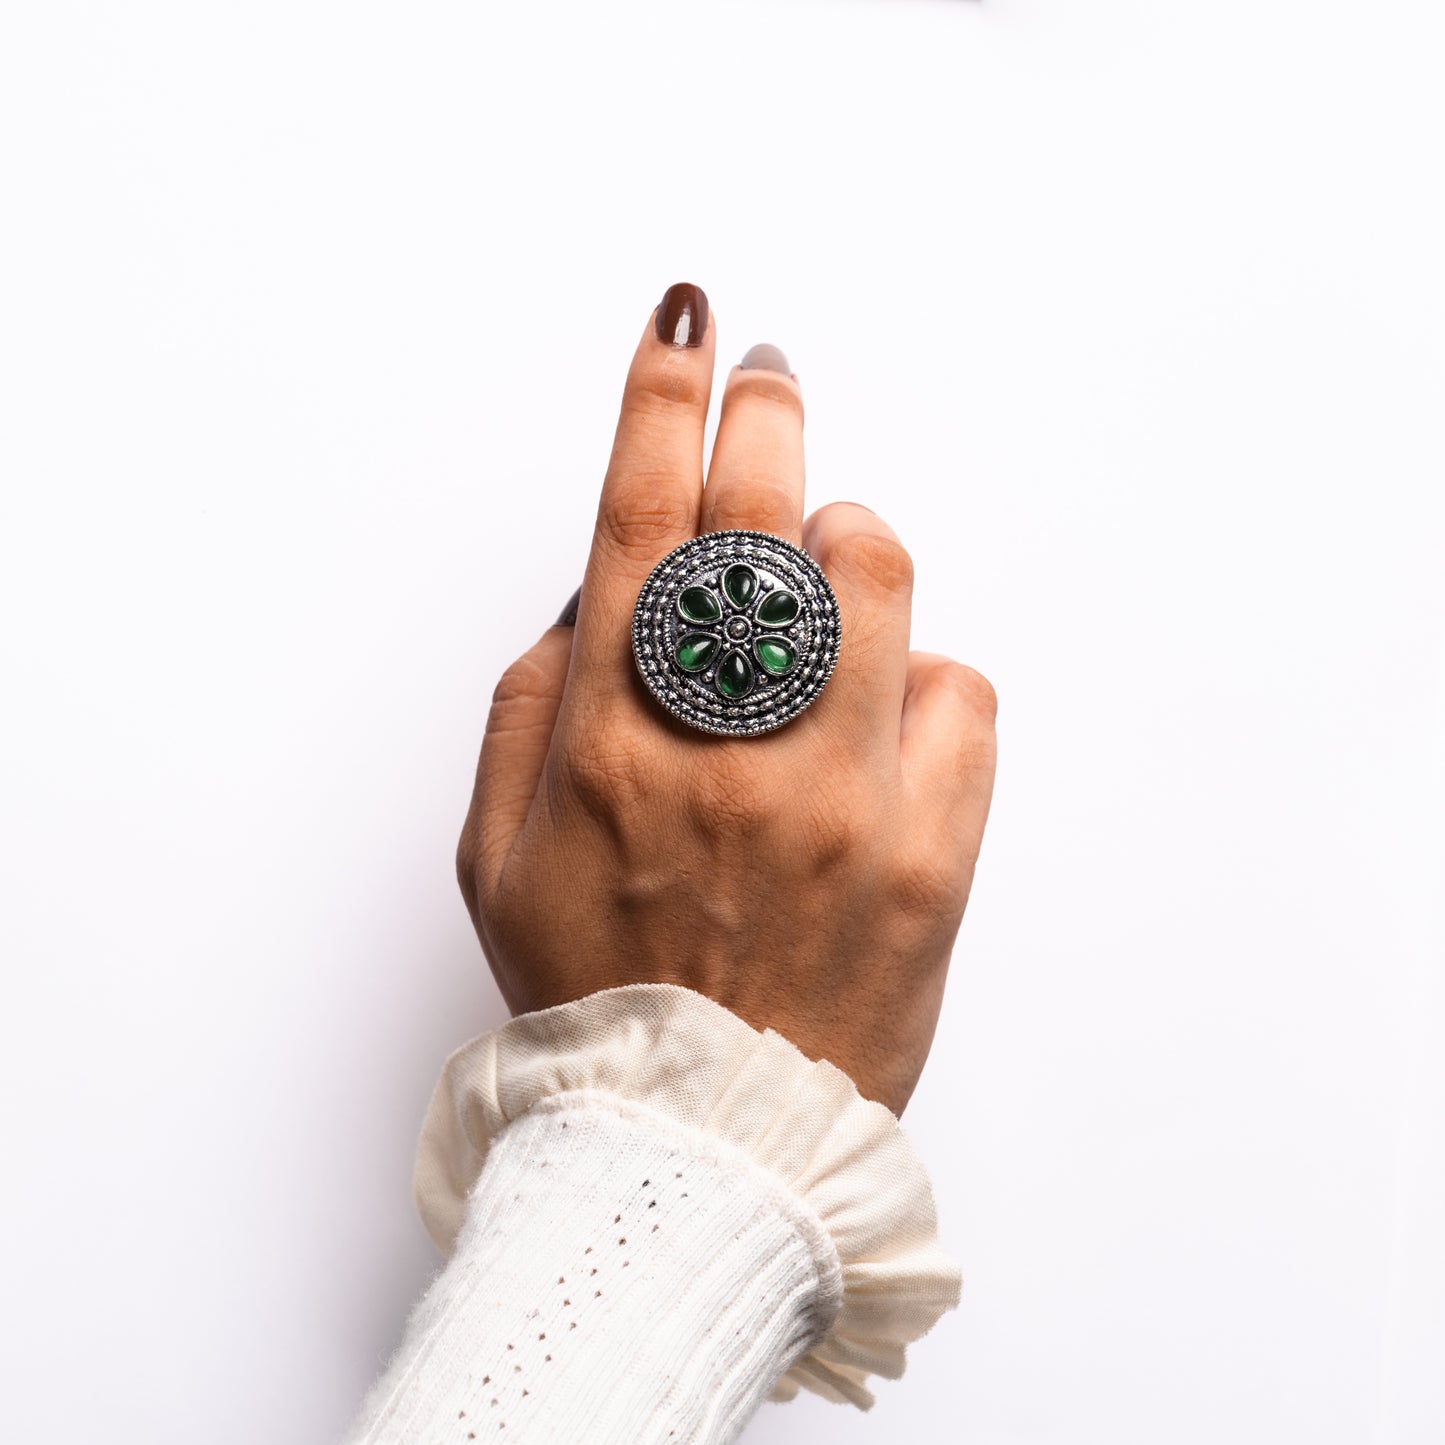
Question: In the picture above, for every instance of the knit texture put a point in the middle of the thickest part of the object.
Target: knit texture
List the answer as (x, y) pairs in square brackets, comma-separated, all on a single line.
[(688, 1059), (618, 1280)]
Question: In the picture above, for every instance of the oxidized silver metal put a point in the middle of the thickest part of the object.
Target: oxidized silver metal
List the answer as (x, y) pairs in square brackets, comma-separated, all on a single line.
[(720, 563)]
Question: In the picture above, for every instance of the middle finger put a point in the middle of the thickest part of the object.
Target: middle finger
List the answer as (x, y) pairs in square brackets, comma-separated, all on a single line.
[(755, 479)]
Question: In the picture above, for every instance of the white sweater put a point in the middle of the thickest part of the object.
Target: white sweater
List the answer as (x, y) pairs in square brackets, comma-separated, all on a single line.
[(657, 1218)]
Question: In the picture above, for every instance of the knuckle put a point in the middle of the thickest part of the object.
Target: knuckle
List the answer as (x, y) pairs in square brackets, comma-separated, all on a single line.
[(524, 681), (605, 771), (660, 386), (874, 559), (728, 800), (766, 389), (928, 887), (643, 516), (468, 859), (831, 835), (752, 503), (971, 688), (979, 692)]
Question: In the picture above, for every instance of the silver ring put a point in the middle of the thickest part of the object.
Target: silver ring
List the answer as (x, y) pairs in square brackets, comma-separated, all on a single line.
[(736, 633)]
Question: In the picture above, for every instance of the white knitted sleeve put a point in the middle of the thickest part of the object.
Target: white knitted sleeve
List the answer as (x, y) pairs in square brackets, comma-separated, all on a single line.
[(657, 1217)]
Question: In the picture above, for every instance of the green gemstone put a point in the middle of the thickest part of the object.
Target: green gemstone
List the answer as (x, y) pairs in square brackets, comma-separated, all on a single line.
[(776, 654), (778, 609), (699, 604), (735, 675), (695, 651), (740, 583)]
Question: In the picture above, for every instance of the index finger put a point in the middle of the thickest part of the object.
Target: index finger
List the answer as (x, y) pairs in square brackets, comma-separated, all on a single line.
[(653, 488)]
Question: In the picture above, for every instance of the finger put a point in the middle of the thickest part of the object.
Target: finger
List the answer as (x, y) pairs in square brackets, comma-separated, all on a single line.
[(514, 749), (755, 478), (872, 575), (948, 745), (653, 487)]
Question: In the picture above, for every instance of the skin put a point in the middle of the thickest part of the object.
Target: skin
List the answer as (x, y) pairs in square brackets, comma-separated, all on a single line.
[(813, 879)]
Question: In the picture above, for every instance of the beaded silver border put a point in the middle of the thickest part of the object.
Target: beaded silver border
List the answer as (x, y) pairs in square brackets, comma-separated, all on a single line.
[(691, 697)]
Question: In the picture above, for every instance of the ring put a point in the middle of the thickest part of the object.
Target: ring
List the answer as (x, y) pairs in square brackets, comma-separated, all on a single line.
[(736, 632)]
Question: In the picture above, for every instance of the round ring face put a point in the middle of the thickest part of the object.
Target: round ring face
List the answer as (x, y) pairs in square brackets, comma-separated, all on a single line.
[(736, 632)]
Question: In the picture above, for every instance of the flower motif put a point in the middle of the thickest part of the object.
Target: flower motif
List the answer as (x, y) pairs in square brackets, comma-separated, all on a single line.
[(739, 623)]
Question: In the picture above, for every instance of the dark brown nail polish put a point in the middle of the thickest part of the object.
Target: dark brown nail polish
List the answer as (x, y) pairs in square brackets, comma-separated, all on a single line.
[(682, 317), (569, 612), (764, 357)]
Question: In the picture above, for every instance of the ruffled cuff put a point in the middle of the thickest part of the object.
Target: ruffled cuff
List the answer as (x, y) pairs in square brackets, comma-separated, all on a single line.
[(843, 1159)]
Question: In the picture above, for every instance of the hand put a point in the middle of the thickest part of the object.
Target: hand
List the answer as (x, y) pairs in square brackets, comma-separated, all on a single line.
[(811, 879)]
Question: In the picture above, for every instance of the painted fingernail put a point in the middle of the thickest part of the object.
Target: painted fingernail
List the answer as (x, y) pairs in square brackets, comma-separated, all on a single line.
[(764, 357), (569, 612), (682, 317)]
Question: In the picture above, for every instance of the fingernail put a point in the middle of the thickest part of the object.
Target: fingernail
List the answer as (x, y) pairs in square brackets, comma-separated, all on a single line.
[(569, 612), (764, 357), (682, 317)]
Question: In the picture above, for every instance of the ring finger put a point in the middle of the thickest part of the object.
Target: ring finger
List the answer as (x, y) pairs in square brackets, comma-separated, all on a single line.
[(872, 575)]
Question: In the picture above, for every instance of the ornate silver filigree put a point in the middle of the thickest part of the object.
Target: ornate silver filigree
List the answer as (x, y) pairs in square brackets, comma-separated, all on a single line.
[(787, 663)]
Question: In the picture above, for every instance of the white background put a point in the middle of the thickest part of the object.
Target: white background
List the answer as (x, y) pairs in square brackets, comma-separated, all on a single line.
[(313, 320)]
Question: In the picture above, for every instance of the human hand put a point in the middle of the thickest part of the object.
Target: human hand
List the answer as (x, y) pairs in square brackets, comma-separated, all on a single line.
[(811, 879)]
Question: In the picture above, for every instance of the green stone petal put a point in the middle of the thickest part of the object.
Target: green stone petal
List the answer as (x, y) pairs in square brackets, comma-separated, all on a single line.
[(695, 651), (778, 609), (735, 675), (776, 654), (699, 604), (740, 583)]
